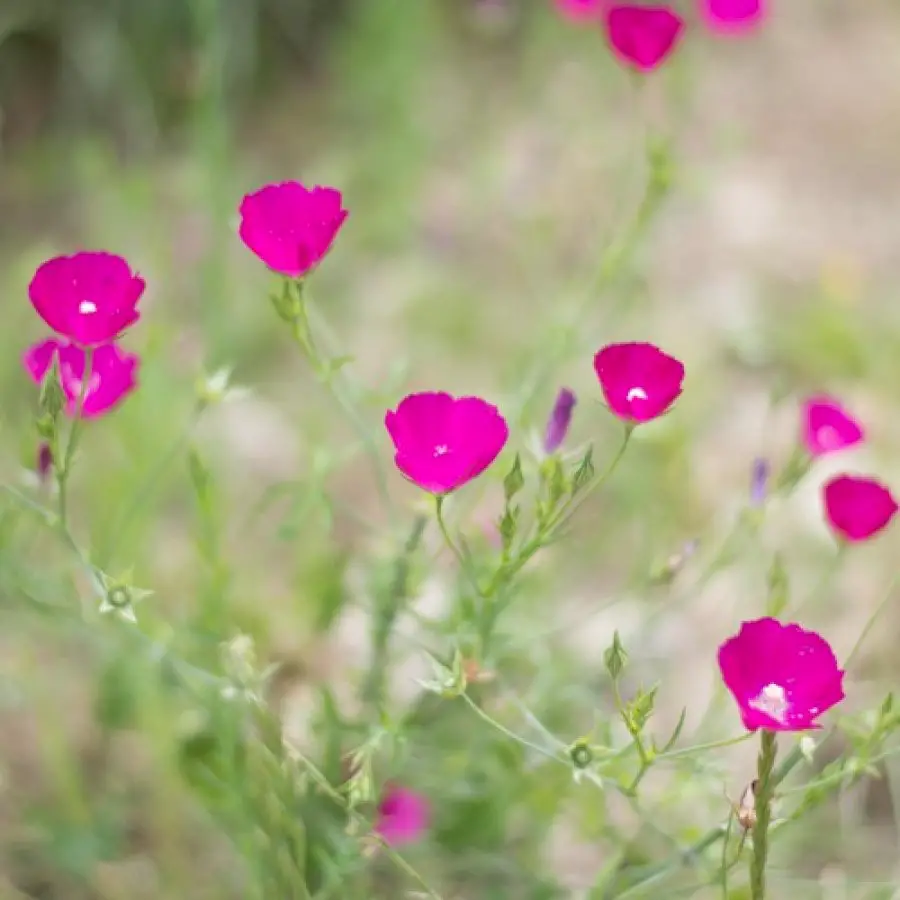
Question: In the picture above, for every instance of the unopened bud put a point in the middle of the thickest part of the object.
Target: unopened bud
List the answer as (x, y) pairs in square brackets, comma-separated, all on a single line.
[(559, 421)]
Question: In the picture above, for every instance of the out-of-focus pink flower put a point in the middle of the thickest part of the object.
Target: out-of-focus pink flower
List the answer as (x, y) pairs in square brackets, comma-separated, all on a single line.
[(643, 37), (732, 16), (442, 441), (638, 380), (782, 677), (559, 421), (112, 377), (403, 816), (828, 427), (582, 10), (291, 227), (89, 298), (857, 507)]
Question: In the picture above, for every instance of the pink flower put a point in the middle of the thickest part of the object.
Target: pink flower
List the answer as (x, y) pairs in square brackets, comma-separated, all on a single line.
[(403, 816), (643, 37), (732, 16), (857, 507), (638, 380), (89, 298), (113, 374), (582, 10), (290, 227), (782, 677), (828, 427), (442, 441)]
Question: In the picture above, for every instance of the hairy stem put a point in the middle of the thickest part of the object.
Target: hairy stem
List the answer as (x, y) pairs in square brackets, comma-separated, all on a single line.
[(766, 783)]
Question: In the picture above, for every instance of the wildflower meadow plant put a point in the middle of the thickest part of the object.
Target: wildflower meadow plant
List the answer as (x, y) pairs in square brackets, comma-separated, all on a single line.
[(342, 814)]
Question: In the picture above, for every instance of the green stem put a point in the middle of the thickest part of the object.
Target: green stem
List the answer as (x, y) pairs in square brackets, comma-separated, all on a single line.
[(64, 469), (766, 783)]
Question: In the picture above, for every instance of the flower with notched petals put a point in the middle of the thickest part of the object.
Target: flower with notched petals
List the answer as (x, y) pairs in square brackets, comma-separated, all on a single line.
[(857, 508), (89, 298), (781, 676), (643, 37), (828, 427)]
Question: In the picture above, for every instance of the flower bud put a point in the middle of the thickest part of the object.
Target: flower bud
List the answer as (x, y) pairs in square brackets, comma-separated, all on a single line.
[(559, 421)]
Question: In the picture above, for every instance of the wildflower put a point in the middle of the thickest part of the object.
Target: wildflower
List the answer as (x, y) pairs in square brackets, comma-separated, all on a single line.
[(113, 374), (643, 37), (581, 10), (403, 816), (759, 481), (857, 507), (89, 298), (782, 677), (559, 421), (442, 442), (732, 16), (828, 427), (44, 464), (290, 227), (638, 380)]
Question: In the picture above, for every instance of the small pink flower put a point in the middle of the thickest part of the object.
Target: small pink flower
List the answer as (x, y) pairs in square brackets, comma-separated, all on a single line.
[(638, 380), (113, 374), (291, 227), (857, 507), (582, 10), (89, 298), (828, 427), (403, 816), (732, 16), (782, 677), (442, 441), (643, 37)]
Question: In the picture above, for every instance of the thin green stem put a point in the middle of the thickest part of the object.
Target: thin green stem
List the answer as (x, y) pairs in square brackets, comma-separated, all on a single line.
[(64, 468), (768, 748), (702, 748), (876, 613)]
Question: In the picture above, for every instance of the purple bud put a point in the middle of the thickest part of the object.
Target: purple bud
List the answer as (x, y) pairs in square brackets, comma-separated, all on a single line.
[(44, 462), (558, 424), (759, 481)]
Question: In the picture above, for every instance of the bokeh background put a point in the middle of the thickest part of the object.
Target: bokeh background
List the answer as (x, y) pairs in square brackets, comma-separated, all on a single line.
[(488, 151)]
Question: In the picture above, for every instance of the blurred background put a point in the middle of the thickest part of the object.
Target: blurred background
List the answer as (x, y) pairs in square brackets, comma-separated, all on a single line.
[(489, 152)]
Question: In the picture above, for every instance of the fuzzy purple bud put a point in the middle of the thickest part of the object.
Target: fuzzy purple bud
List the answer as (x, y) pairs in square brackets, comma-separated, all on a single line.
[(44, 462), (560, 418), (759, 481)]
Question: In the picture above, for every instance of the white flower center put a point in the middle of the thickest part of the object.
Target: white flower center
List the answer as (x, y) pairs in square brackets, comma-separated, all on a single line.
[(87, 307), (771, 700), (441, 450), (828, 436), (636, 393)]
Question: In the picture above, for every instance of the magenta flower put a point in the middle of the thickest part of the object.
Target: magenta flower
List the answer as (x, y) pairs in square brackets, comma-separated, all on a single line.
[(732, 16), (782, 677), (403, 816), (113, 374), (559, 421), (857, 508), (442, 441), (828, 427), (290, 227), (582, 10), (88, 298), (643, 37), (638, 380)]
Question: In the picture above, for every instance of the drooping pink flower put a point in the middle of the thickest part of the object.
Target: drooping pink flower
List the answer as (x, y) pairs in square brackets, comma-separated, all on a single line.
[(442, 441), (643, 37), (403, 816), (638, 380), (89, 298), (112, 377), (782, 677), (857, 507), (582, 10), (559, 421), (828, 427), (291, 227), (732, 16)]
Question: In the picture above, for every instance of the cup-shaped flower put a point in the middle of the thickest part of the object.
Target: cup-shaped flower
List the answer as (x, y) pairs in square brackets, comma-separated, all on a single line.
[(582, 10), (291, 227), (781, 676), (403, 816), (857, 507), (638, 380), (732, 16), (442, 442), (112, 374), (89, 298), (559, 421), (643, 37), (828, 427)]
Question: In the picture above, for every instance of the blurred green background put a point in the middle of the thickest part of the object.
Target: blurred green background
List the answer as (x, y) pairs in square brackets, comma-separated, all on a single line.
[(489, 152)]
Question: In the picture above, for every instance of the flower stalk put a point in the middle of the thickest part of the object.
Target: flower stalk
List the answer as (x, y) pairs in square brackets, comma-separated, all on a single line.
[(765, 787)]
